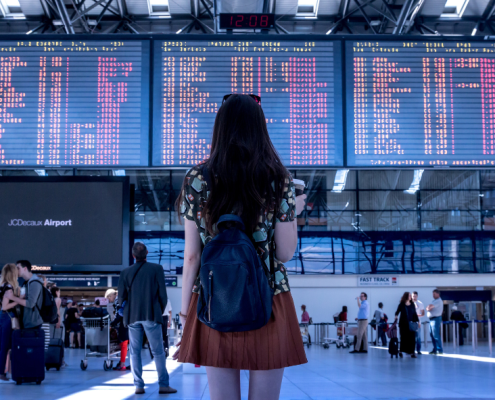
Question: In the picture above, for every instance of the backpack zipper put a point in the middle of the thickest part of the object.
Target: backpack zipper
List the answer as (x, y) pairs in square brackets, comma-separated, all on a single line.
[(210, 278)]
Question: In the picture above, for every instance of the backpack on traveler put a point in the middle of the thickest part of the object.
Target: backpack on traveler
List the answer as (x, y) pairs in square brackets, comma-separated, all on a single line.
[(235, 295), (48, 311)]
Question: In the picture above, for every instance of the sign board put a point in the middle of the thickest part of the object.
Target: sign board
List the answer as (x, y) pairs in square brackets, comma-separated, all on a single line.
[(169, 281), (79, 281), (377, 281)]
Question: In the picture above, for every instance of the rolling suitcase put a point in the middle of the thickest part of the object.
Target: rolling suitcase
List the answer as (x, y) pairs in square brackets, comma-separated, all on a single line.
[(54, 356), (28, 356), (393, 347)]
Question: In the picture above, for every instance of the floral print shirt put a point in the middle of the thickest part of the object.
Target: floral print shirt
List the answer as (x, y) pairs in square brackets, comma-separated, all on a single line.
[(194, 198)]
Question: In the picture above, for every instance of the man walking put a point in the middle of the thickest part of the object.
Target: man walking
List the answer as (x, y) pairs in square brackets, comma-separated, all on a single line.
[(420, 310), (33, 301), (362, 319), (142, 285), (381, 324), (435, 310)]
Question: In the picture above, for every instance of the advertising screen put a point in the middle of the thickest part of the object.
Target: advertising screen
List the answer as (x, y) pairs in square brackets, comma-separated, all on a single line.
[(67, 223)]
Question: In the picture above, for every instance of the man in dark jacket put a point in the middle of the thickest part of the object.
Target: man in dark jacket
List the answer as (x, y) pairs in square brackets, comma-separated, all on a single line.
[(459, 317), (142, 285)]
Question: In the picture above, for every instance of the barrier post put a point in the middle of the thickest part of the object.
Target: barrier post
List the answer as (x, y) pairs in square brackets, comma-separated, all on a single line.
[(441, 332), (454, 334), (472, 335), (490, 336)]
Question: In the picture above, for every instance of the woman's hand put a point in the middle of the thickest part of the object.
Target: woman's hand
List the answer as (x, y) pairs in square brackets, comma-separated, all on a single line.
[(176, 354), (300, 203)]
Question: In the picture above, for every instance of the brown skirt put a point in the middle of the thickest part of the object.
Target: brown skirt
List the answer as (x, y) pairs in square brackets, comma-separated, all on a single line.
[(277, 345)]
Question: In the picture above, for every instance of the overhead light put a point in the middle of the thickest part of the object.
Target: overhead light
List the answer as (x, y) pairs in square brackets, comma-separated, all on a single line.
[(40, 172), (307, 8), (12, 8), (340, 179), (158, 7), (179, 31), (473, 33), (418, 173), (118, 172), (454, 8)]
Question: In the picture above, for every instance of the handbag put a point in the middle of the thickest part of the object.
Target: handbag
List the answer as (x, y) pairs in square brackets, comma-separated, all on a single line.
[(413, 326), (15, 322)]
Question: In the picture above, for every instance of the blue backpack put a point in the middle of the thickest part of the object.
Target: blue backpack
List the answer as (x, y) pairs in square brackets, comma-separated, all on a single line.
[(235, 295)]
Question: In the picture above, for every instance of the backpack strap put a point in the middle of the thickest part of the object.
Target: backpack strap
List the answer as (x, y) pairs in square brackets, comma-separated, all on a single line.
[(41, 294)]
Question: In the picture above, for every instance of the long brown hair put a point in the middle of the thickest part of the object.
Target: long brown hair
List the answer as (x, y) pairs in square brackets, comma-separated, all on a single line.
[(405, 297), (10, 275), (243, 165)]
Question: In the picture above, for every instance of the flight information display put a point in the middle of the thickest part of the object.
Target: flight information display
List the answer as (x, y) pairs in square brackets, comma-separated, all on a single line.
[(420, 103), (74, 102), (299, 83)]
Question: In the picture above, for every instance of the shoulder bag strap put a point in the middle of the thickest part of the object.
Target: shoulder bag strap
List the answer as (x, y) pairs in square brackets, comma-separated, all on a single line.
[(130, 286), (41, 294)]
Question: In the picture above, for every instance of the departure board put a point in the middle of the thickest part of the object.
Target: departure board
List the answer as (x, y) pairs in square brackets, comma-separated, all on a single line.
[(74, 102), (299, 82), (420, 103)]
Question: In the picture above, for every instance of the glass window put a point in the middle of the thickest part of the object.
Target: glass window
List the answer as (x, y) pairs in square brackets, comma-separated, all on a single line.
[(453, 220), (446, 180), (387, 200), (385, 180), (450, 200), (389, 220)]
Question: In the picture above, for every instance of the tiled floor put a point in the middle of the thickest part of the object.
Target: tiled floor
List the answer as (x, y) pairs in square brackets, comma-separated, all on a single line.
[(330, 374)]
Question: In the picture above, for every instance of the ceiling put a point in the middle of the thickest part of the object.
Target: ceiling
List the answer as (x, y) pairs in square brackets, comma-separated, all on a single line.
[(400, 17)]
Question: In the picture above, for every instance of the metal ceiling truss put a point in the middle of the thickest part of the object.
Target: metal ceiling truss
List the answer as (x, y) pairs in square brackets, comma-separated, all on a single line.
[(398, 17)]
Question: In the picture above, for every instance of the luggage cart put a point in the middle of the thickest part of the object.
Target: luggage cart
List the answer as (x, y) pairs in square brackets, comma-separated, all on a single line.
[(112, 352), (342, 339), (305, 334)]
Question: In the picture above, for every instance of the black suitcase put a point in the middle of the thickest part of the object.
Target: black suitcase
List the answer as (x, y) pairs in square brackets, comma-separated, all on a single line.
[(54, 356), (393, 347), (28, 356)]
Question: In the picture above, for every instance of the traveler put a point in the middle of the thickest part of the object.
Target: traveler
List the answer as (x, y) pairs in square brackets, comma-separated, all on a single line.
[(381, 324), (245, 177), (33, 300), (343, 314), (97, 303), (459, 317), (408, 325), (305, 320), (111, 295), (362, 319), (305, 315), (8, 283), (435, 311), (420, 311), (118, 324), (143, 313), (55, 291), (74, 324)]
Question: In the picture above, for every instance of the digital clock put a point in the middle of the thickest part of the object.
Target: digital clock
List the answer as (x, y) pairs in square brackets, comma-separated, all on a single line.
[(243, 21)]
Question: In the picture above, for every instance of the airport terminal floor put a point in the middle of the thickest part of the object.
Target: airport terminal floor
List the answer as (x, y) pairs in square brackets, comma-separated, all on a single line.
[(330, 374)]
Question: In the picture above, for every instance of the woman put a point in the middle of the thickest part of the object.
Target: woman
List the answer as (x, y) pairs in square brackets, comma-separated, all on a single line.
[(305, 315), (248, 179), (8, 282), (118, 323), (55, 291), (407, 311), (343, 314)]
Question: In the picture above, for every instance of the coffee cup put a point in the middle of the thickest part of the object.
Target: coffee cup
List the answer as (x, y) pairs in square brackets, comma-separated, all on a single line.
[(300, 186)]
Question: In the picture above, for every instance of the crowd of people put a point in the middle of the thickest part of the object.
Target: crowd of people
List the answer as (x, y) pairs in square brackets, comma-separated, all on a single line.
[(21, 309)]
